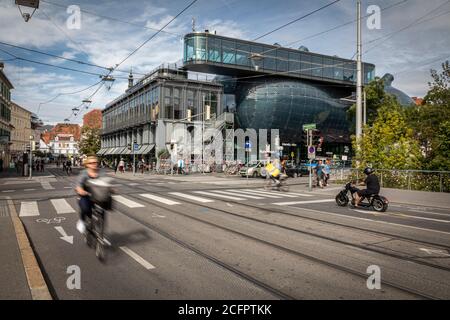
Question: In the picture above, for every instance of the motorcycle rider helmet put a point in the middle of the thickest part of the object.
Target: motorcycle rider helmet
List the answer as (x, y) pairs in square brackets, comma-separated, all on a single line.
[(368, 170)]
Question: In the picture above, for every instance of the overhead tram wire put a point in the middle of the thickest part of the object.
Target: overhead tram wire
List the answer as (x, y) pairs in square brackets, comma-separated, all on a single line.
[(64, 33), (143, 44), (345, 24), (335, 28), (63, 58), (295, 20), (112, 18), (413, 24), (52, 65), (65, 94)]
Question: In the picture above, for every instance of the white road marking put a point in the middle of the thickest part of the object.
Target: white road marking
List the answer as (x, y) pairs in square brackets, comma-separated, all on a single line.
[(159, 199), (29, 190), (46, 185), (435, 251), (29, 209), (68, 187), (127, 202), (302, 202), (62, 206), (133, 184), (213, 194), (240, 194), (433, 213), (187, 196), (8, 191), (422, 218), (278, 193), (366, 212), (259, 194), (299, 194), (377, 221), (64, 237), (137, 258)]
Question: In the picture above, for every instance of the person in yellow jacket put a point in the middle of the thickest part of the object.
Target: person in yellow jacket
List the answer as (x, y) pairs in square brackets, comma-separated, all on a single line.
[(273, 169)]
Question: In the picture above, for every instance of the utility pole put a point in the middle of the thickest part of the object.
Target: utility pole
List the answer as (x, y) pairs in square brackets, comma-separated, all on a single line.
[(358, 75)]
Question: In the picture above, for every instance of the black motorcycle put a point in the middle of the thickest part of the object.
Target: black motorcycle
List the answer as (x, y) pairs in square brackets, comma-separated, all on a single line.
[(377, 202)]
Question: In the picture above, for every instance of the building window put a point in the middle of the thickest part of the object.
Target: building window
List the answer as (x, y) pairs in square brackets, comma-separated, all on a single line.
[(228, 52), (214, 50)]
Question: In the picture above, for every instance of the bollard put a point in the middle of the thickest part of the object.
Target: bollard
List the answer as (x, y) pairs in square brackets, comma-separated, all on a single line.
[(409, 181)]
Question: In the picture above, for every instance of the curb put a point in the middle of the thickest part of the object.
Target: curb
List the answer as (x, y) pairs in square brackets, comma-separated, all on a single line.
[(35, 279)]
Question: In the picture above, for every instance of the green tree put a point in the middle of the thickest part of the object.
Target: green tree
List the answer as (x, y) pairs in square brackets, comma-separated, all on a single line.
[(388, 143), (375, 95), (90, 141), (430, 121)]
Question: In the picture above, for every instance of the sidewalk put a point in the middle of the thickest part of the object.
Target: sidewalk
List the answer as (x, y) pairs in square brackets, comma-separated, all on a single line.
[(12, 174), (13, 280), (420, 198), (20, 275)]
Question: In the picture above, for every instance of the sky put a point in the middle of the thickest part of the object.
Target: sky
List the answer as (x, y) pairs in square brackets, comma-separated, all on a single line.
[(412, 39)]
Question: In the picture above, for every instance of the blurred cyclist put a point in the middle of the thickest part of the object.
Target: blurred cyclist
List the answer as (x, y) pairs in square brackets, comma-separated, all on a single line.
[(85, 203)]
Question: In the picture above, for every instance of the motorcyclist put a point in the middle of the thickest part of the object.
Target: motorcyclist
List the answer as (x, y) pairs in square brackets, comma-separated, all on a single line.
[(85, 203), (372, 184)]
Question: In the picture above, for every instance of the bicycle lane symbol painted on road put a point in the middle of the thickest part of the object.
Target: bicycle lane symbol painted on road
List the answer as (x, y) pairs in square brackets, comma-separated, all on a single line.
[(55, 220)]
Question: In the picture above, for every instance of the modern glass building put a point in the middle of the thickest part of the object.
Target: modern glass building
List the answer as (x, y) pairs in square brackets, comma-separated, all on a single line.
[(280, 88), (145, 111)]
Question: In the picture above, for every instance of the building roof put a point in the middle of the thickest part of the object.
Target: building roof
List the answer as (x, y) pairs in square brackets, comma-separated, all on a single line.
[(5, 78), (22, 108)]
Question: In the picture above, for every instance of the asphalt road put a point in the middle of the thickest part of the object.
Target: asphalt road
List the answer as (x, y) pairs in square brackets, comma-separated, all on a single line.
[(206, 237)]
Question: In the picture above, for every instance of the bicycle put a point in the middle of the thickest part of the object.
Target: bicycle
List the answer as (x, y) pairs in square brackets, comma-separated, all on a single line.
[(278, 184), (94, 235)]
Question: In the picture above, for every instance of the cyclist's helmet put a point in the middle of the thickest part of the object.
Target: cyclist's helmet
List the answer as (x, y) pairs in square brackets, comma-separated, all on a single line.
[(368, 170)]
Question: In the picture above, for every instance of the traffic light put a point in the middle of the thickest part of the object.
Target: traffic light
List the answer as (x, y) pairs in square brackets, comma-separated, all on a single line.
[(317, 138)]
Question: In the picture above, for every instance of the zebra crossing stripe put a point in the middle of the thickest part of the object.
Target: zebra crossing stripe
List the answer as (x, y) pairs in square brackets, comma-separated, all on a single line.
[(252, 192), (187, 196), (159, 199), (213, 194), (29, 209), (62, 206), (277, 193), (239, 194), (127, 202), (46, 185)]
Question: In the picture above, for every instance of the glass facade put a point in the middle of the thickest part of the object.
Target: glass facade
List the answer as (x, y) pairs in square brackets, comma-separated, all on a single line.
[(219, 50), (288, 104), (162, 99)]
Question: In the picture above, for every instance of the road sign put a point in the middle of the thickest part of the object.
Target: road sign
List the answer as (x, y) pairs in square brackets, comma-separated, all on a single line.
[(311, 152), (344, 158), (309, 126), (136, 147)]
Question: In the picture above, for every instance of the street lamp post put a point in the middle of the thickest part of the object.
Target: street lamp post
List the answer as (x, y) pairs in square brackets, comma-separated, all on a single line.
[(31, 156)]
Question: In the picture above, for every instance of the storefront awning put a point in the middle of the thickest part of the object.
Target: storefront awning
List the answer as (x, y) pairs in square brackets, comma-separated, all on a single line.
[(145, 149), (102, 151), (125, 151)]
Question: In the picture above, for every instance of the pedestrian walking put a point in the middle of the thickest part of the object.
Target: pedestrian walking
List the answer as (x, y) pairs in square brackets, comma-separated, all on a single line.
[(42, 165), (122, 166)]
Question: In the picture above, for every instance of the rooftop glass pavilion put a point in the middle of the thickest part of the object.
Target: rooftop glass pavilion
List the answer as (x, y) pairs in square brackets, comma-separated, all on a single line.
[(210, 53)]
